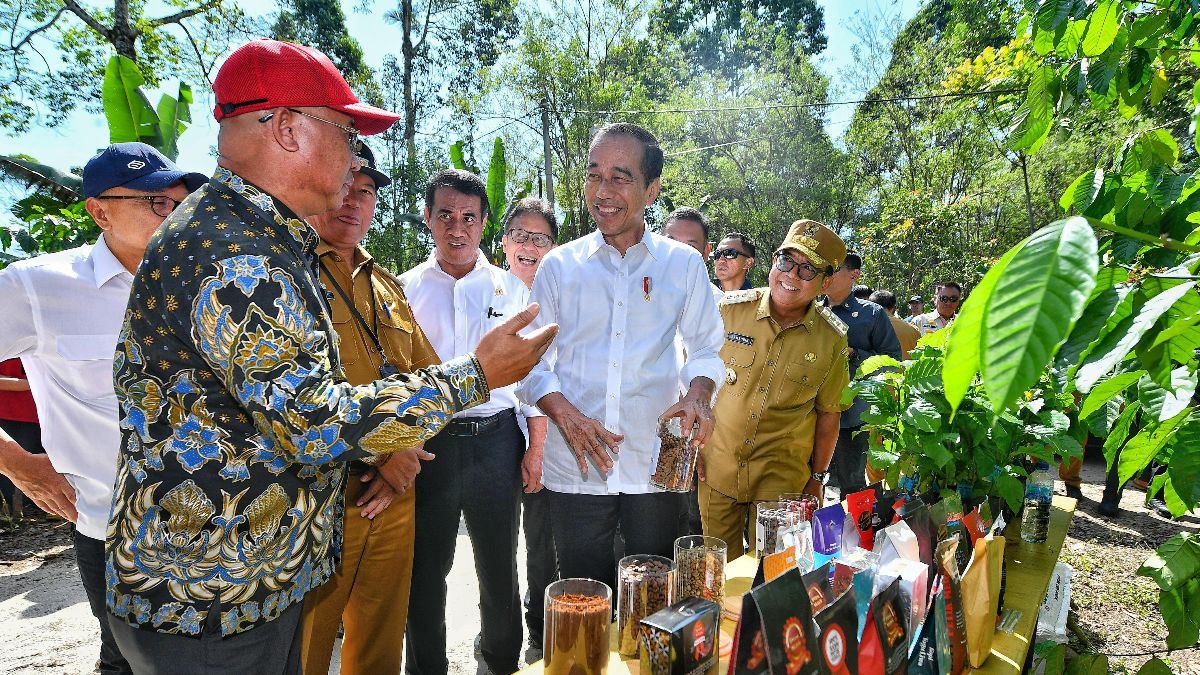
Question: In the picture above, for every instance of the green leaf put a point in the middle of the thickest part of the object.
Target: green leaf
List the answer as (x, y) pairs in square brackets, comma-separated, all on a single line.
[(1115, 346), (1088, 664), (961, 363), (174, 116), (128, 112), (1119, 434), (1184, 467), (923, 415), (1175, 562), (1052, 13), (1034, 305), (1102, 27), (1164, 403), (1155, 666), (1145, 446), (1034, 117), (1183, 629), (1107, 389), (457, 159), (1083, 192), (497, 178), (1158, 86), (874, 363), (1010, 489)]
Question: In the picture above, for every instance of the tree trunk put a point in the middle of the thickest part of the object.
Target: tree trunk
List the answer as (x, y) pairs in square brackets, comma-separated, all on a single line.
[(123, 36), (410, 107), (1028, 195)]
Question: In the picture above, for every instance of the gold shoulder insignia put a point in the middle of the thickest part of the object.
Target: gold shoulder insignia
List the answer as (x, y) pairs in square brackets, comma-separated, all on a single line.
[(735, 297), (832, 319)]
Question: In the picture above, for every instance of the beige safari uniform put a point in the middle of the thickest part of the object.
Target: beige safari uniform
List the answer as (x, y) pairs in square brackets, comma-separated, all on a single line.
[(775, 382)]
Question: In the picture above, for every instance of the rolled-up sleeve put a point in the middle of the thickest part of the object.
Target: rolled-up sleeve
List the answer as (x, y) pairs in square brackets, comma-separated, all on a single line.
[(542, 380), (701, 329)]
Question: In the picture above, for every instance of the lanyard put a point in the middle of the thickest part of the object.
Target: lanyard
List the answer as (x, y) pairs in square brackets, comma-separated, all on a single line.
[(354, 310)]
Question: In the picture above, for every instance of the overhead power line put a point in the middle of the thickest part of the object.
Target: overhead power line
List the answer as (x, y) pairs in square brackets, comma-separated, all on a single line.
[(771, 106)]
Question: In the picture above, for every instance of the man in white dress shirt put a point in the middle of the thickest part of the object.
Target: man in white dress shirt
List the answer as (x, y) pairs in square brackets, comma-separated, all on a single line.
[(62, 313), (457, 296), (621, 295)]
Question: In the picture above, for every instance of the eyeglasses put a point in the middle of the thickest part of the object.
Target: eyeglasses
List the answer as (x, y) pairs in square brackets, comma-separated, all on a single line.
[(351, 132), (520, 236), (161, 205), (950, 298), (728, 254), (785, 263)]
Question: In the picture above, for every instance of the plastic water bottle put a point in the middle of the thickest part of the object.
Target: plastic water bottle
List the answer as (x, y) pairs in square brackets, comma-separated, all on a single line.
[(1039, 490)]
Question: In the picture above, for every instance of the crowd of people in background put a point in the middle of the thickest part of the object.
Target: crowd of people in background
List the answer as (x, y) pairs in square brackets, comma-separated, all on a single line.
[(293, 433)]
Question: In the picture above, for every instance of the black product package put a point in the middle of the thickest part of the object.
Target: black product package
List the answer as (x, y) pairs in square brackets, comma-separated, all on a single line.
[(775, 633), (837, 641), (817, 584), (892, 628), (926, 654), (917, 517), (682, 639)]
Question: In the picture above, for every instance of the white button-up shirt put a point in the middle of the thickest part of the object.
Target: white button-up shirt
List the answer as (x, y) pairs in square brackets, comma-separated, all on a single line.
[(62, 313), (455, 313), (615, 356)]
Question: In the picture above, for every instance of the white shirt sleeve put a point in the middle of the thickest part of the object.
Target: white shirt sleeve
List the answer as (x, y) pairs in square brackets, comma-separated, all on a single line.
[(542, 380), (18, 333), (701, 328)]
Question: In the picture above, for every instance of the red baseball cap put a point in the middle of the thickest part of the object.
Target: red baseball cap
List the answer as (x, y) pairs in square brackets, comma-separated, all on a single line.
[(266, 74)]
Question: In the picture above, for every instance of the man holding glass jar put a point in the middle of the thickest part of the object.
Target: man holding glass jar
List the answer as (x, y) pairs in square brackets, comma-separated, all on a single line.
[(785, 369)]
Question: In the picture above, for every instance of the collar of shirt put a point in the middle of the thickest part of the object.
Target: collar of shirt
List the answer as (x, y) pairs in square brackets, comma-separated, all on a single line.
[(432, 266), (361, 257), (105, 265), (303, 233), (764, 312), (596, 242)]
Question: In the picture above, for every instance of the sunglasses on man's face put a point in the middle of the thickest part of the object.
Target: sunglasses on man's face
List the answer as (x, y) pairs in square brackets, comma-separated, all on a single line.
[(785, 263), (728, 254), (950, 299)]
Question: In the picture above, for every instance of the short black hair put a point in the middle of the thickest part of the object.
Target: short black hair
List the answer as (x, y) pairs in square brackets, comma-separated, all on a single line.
[(950, 284), (688, 213), (853, 261), (744, 241), (652, 154), (885, 299), (861, 291), (461, 181), (536, 206)]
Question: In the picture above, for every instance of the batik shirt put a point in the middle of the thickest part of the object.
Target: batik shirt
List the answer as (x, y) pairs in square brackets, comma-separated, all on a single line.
[(236, 421)]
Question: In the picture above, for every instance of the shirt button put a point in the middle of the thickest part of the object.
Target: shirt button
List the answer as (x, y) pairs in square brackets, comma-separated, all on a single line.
[(742, 463), (753, 416), (762, 390), (615, 365), (618, 333), (770, 363), (747, 442), (620, 303)]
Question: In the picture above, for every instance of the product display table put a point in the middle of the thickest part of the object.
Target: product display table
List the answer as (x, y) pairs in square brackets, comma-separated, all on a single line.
[(1028, 568)]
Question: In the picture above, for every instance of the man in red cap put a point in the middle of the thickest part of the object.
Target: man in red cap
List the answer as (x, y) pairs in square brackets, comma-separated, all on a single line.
[(236, 418)]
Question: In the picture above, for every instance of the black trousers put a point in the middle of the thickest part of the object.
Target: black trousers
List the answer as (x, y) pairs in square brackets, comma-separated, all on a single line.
[(585, 527), (541, 566), (272, 648), (848, 468), (89, 554), (479, 477)]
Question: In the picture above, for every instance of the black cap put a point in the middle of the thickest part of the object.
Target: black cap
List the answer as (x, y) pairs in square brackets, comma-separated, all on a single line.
[(366, 160), (136, 166)]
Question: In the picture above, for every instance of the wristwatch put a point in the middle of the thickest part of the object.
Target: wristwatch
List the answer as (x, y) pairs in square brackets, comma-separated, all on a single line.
[(821, 477)]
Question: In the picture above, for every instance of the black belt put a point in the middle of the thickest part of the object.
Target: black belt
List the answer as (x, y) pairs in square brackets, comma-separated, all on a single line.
[(474, 426)]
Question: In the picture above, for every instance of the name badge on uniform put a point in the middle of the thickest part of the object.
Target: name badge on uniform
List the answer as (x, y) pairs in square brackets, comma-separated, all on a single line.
[(739, 338)]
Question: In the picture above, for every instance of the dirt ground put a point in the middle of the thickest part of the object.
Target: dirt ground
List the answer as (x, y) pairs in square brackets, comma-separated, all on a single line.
[(47, 627)]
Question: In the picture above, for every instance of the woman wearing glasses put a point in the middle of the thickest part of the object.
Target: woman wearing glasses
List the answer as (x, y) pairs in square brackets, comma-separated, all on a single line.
[(732, 262)]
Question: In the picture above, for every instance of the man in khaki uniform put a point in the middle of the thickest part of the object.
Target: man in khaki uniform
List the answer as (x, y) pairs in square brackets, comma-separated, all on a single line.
[(786, 368), (906, 333), (369, 591)]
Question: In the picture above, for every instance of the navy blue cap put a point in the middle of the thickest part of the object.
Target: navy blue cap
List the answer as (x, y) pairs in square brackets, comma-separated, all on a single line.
[(367, 166), (136, 166)]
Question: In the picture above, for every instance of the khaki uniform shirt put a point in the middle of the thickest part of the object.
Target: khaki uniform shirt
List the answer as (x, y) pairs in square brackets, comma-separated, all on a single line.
[(388, 314), (906, 333), (776, 381)]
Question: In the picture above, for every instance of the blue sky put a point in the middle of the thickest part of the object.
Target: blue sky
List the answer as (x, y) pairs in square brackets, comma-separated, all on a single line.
[(72, 143)]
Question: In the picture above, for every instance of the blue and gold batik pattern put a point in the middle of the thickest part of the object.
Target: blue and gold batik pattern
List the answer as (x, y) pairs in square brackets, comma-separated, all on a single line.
[(236, 422)]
